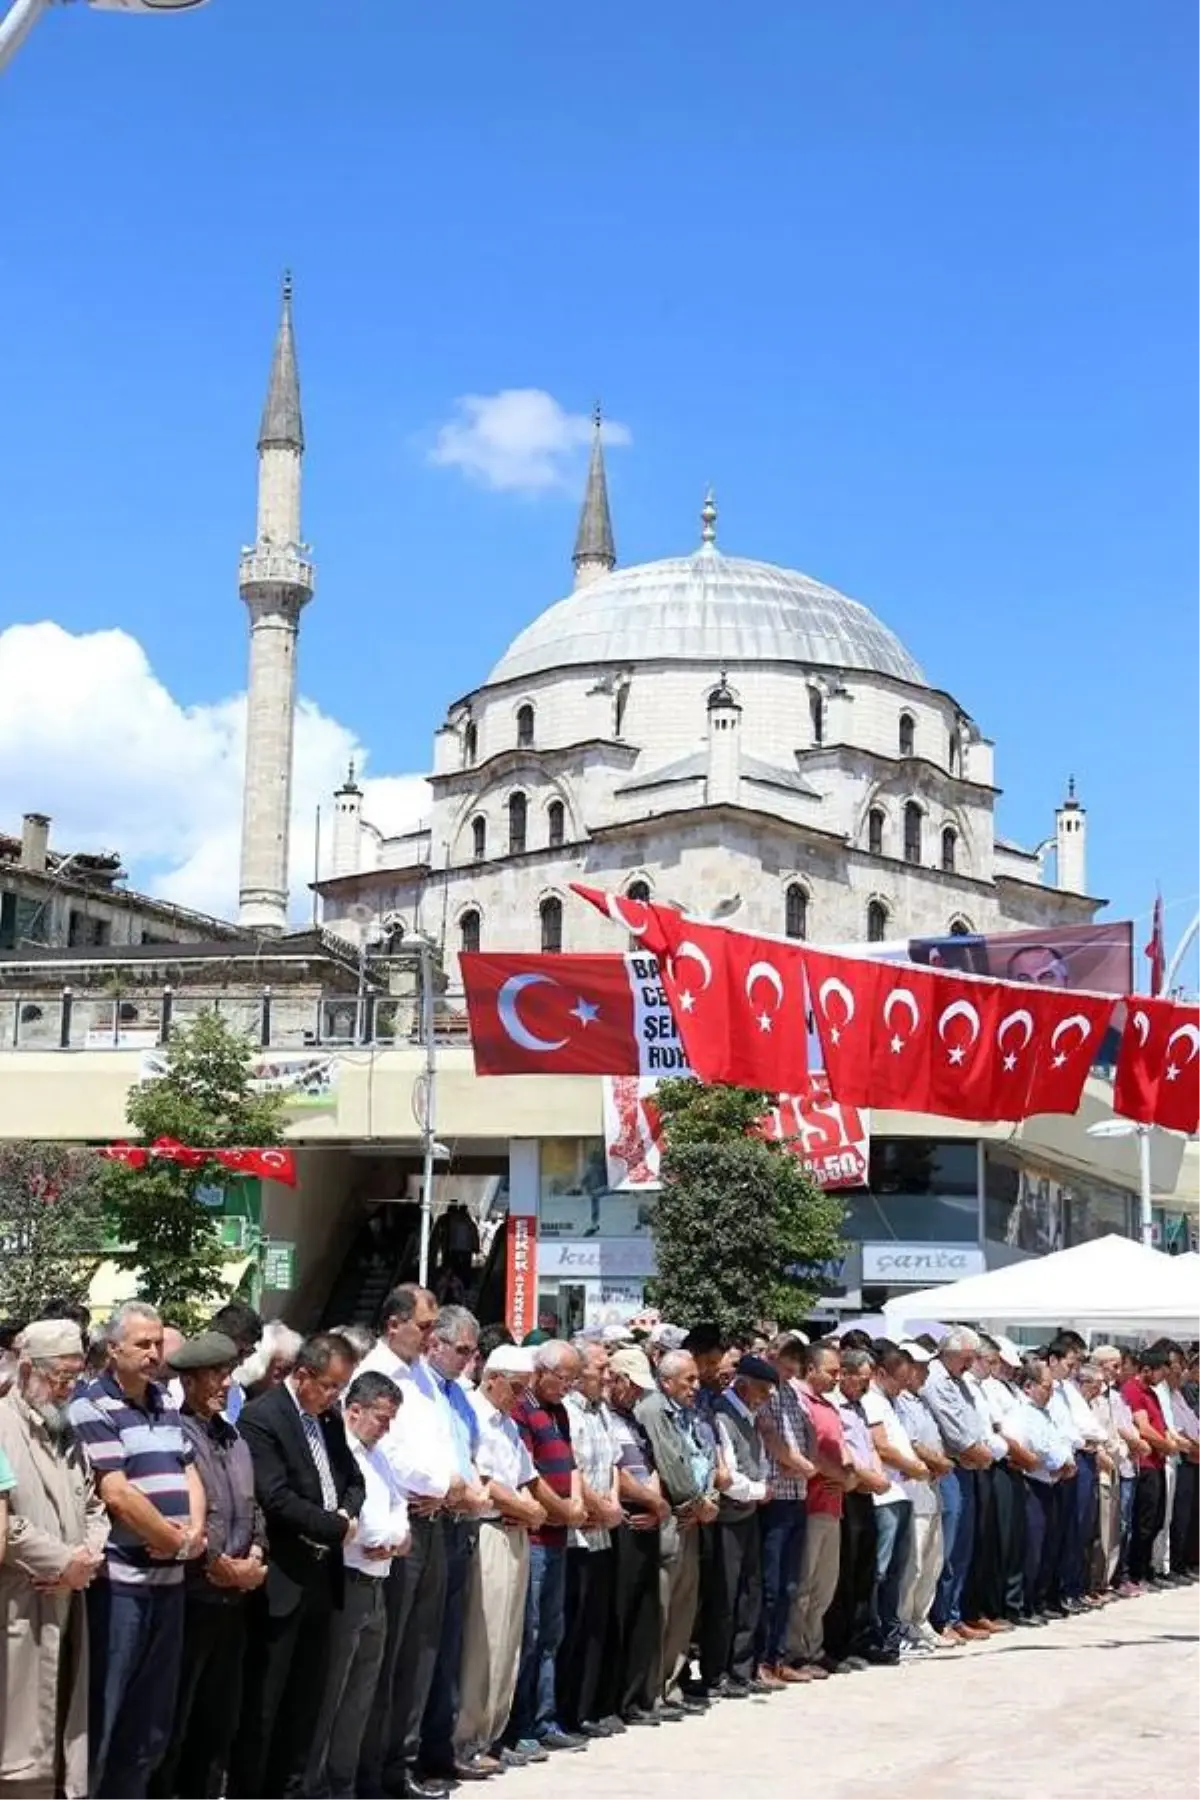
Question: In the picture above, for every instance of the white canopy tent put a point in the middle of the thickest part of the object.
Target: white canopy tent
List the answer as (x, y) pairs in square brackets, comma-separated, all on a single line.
[(1108, 1284)]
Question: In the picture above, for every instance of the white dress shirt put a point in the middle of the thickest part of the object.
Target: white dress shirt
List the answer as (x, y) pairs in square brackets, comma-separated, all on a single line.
[(742, 1489), (384, 1515), (418, 1444), (880, 1411), (501, 1455), (993, 1442), (1036, 1428)]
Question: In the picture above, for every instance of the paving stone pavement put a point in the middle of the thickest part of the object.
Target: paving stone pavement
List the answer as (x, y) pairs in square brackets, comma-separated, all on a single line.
[(1105, 1705)]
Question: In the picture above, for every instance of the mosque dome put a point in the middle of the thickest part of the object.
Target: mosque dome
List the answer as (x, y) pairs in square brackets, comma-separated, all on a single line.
[(706, 608)]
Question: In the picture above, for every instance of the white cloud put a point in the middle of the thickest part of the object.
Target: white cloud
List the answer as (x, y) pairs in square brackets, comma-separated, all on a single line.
[(90, 735), (520, 440)]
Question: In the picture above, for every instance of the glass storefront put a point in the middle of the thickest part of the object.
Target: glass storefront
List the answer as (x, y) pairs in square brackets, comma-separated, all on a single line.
[(922, 1191), (1036, 1209), (575, 1201)]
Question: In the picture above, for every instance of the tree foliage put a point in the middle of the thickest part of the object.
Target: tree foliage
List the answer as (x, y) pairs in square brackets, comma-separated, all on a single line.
[(205, 1100), (736, 1212), (51, 1226)]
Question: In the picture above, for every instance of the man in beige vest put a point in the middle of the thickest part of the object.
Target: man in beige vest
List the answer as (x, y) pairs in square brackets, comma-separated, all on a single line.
[(57, 1529)]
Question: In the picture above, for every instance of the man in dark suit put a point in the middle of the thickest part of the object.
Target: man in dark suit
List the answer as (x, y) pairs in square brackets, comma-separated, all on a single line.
[(310, 1491)]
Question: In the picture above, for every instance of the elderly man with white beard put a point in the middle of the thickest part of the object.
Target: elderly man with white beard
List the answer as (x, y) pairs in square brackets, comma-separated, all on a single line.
[(57, 1529)]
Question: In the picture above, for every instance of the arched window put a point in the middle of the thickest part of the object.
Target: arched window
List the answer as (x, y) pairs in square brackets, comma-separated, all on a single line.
[(470, 743), (556, 824), (912, 832), (479, 838), (468, 930), (551, 915), (816, 712), (875, 824), (518, 814), (795, 911), (908, 734), (959, 928), (949, 849), (877, 919), (638, 890), (524, 726)]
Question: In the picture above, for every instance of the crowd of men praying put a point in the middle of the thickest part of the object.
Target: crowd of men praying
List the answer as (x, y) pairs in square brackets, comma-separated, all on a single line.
[(248, 1564)]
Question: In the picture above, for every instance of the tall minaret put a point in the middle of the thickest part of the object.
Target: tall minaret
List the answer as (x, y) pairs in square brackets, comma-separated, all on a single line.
[(595, 552), (1070, 835), (276, 582)]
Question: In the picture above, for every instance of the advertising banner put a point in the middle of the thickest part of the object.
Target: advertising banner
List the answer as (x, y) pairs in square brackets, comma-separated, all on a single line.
[(307, 1079), (520, 1303)]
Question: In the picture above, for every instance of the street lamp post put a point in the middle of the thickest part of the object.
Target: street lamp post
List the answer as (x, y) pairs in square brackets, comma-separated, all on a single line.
[(23, 15)]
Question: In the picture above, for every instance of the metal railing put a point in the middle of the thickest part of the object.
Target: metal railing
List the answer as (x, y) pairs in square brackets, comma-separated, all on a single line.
[(272, 1020)]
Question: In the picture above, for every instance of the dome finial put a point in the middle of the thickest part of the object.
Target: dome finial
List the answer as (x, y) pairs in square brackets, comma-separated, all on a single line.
[(708, 519)]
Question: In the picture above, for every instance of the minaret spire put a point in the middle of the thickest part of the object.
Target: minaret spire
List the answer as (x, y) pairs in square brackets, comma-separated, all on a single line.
[(595, 551), (281, 421), (276, 582)]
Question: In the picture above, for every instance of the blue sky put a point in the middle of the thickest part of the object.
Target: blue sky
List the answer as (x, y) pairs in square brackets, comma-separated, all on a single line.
[(912, 286)]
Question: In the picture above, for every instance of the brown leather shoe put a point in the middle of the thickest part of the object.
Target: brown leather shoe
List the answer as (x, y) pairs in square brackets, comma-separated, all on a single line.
[(970, 1634), (790, 1675), (768, 1674)]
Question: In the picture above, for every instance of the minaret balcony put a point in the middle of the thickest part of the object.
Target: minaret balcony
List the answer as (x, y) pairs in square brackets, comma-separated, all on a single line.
[(275, 566)]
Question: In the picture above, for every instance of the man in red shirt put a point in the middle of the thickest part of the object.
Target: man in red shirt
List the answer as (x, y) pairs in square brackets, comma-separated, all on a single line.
[(1149, 1504), (821, 1367)]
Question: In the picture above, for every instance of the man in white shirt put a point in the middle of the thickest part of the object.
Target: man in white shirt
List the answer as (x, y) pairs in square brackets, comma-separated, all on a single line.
[(421, 1453), (1048, 1476), (499, 1572), (1072, 1413), (925, 1560), (358, 1633), (906, 1473)]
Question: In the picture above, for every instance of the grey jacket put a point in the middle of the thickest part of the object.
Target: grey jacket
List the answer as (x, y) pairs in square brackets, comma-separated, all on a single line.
[(672, 1451)]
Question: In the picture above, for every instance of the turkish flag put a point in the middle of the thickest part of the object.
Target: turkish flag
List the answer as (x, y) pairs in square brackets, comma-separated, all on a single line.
[(1178, 1107), (1069, 1030), (551, 1015), (964, 1069), (651, 925), (842, 995), (1141, 1058), (271, 1164)]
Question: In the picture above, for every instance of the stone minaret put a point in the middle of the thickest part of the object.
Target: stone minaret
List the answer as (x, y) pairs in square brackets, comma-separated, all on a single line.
[(595, 552), (347, 826), (1070, 836), (276, 582)]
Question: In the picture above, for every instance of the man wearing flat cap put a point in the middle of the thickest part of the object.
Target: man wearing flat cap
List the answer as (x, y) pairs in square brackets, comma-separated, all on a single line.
[(731, 1630), (216, 1583), (57, 1530)]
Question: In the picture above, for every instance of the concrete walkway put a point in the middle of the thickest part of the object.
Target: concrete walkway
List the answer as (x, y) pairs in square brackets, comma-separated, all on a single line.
[(1092, 1707)]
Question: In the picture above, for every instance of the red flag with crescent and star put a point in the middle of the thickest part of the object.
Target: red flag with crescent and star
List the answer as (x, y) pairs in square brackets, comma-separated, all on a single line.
[(915, 1040), (553, 1015), (1141, 1058), (1178, 1104), (738, 1000), (1158, 1066)]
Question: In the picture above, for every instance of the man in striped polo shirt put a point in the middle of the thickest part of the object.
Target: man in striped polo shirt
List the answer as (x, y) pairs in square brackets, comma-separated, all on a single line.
[(146, 1476)]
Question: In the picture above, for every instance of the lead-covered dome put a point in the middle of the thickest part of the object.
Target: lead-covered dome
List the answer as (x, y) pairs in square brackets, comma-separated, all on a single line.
[(706, 608)]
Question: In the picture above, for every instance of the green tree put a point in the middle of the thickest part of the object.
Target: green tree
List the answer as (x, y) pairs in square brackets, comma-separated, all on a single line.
[(205, 1100), (736, 1211), (51, 1225)]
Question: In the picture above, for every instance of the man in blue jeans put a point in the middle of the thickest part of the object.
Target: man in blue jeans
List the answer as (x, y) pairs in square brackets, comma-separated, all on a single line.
[(542, 1420), (145, 1469), (950, 1401)]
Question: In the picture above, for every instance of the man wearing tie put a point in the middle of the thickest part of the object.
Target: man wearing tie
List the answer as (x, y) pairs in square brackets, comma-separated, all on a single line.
[(311, 1491)]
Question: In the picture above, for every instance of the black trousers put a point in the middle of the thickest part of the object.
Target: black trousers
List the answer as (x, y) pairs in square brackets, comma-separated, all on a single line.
[(286, 1661), (1184, 1518), (461, 1542), (209, 1703), (848, 1620), (983, 1596), (1045, 1516), (638, 1617), (733, 1606), (587, 1662), (1010, 1522), (416, 1601), (1149, 1508), (709, 1608)]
